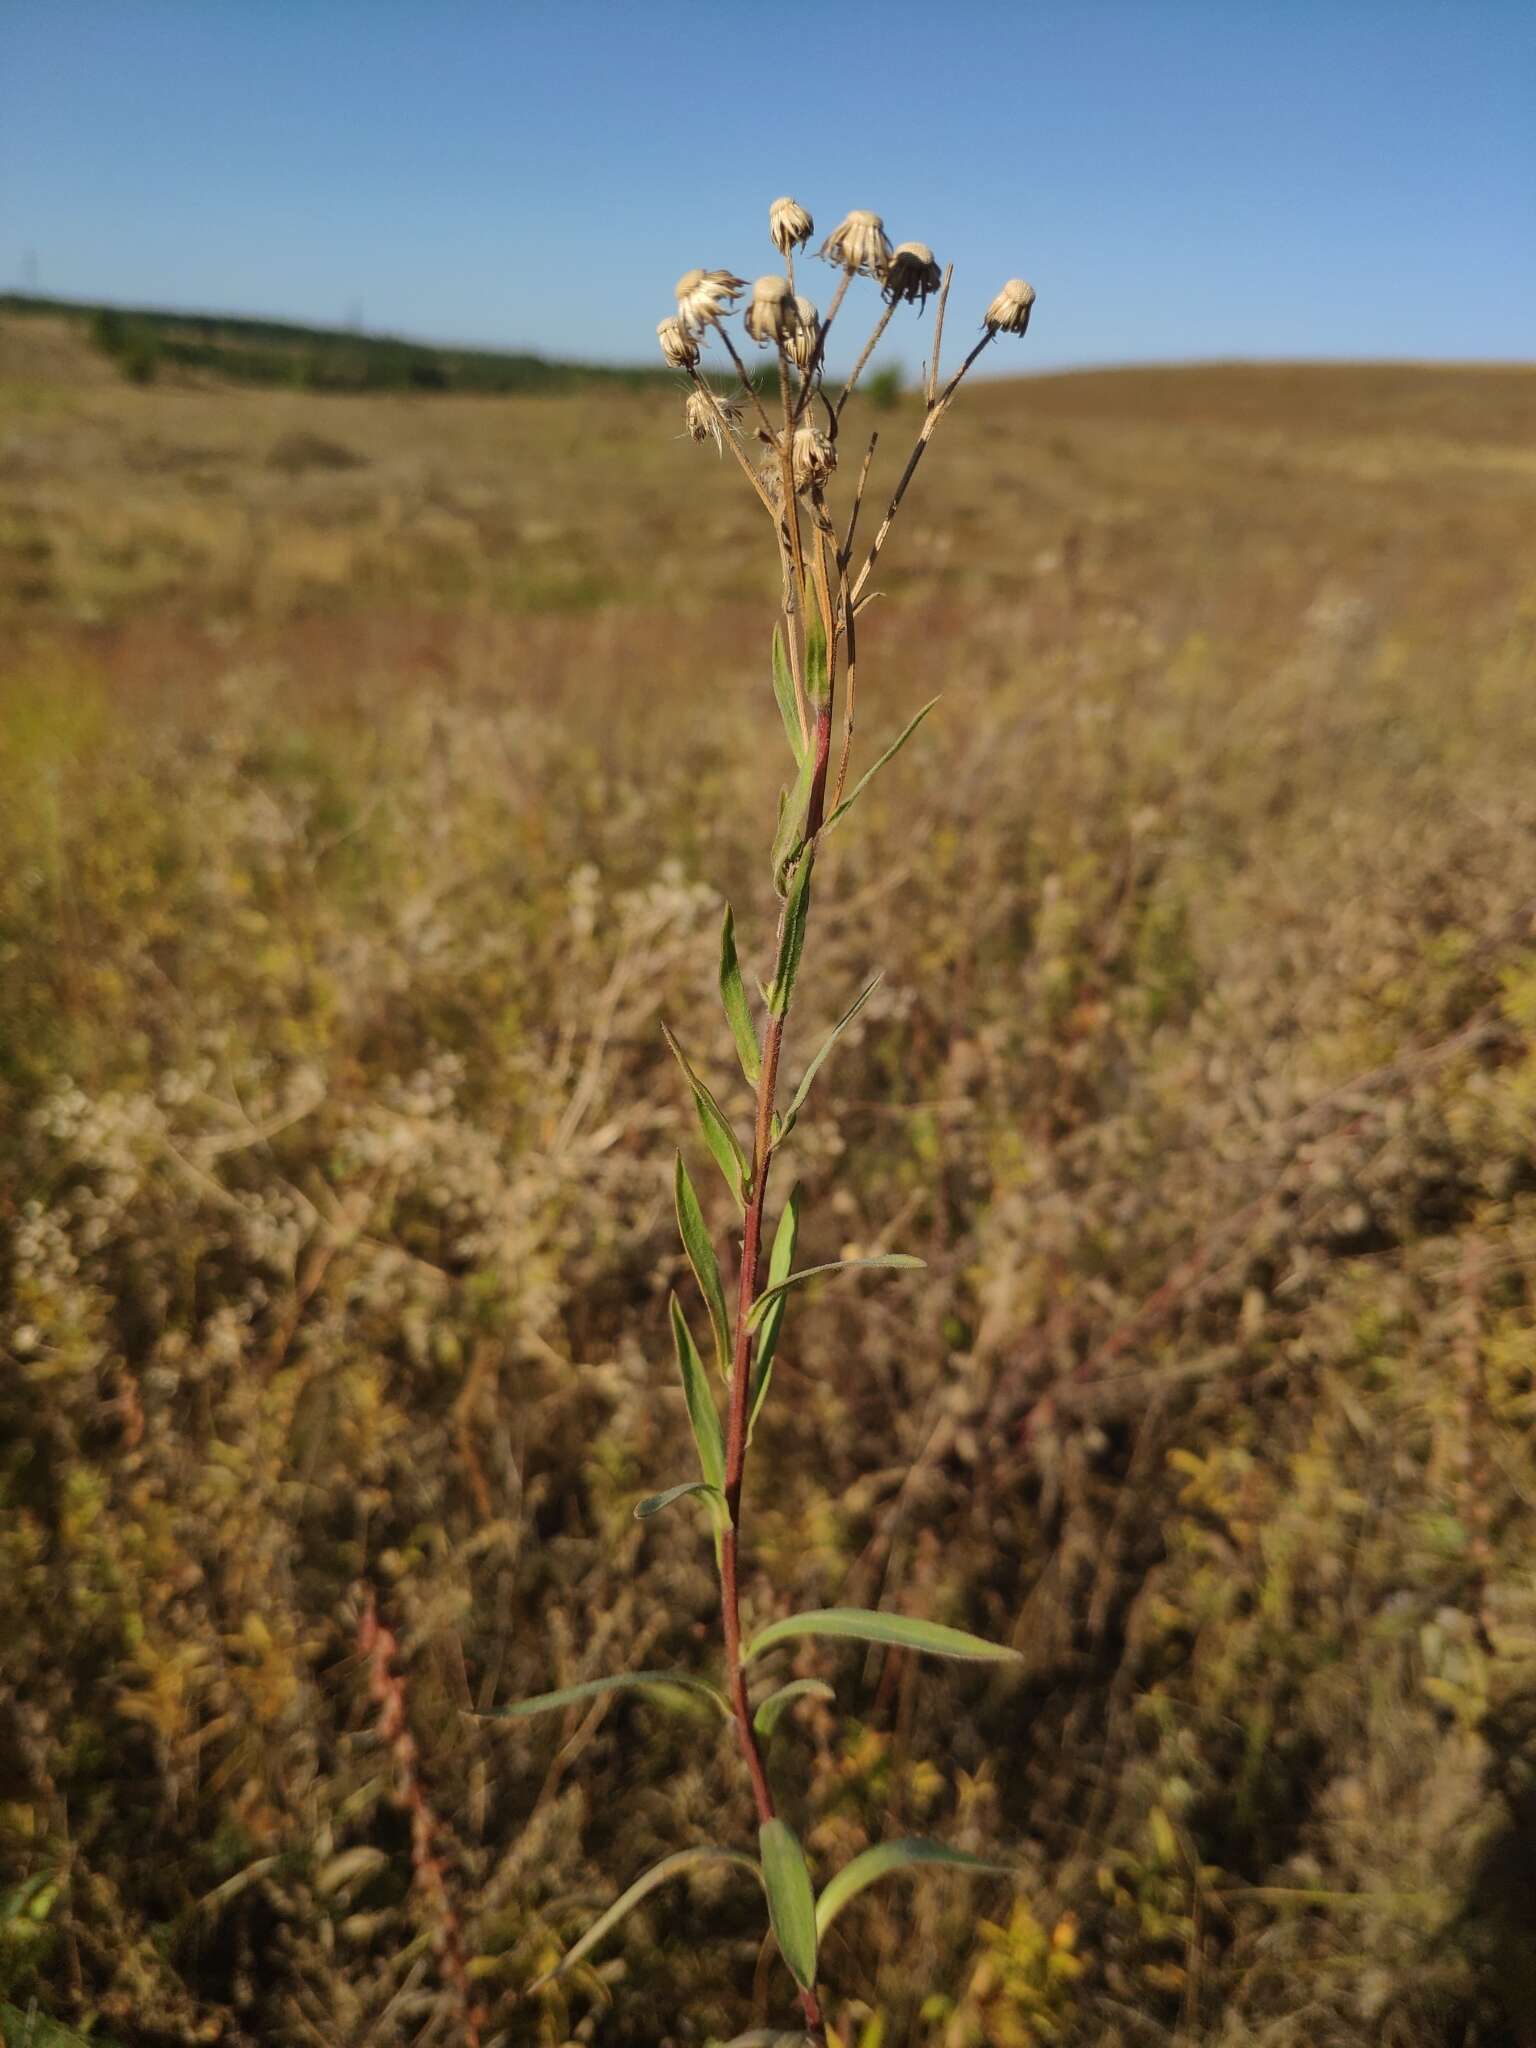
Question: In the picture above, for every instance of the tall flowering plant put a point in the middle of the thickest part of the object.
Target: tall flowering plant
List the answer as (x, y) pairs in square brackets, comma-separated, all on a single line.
[(789, 449)]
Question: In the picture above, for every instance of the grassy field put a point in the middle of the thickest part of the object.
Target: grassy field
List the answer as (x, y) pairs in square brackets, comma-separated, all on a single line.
[(370, 770)]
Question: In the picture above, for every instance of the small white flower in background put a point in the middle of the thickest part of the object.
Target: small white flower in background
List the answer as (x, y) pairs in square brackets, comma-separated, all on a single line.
[(703, 295), (912, 274), (1009, 311), (790, 225), (705, 416), (678, 346), (859, 244), (814, 457), (772, 314), (800, 345)]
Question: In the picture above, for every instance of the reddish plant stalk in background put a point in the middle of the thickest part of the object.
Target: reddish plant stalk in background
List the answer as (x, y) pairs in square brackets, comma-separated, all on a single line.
[(377, 1644)]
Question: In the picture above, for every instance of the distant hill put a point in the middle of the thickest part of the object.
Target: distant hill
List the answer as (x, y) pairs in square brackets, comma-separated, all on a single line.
[(143, 341)]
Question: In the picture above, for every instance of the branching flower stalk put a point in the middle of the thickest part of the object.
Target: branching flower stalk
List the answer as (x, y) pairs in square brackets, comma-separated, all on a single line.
[(825, 586)]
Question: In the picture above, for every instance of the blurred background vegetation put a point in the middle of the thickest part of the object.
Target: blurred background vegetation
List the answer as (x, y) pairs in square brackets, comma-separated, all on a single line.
[(372, 769), (140, 341)]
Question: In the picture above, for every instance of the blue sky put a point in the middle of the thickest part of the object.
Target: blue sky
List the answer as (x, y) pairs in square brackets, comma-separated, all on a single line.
[(1178, 178)]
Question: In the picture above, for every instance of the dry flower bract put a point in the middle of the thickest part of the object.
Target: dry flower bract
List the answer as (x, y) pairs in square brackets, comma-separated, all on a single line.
[(790, 225), (814, 457), (703, 295), (912, 274), (771, 314), (800, 342), (859, 244), (1009, 311), (706, 416), (678, 346)]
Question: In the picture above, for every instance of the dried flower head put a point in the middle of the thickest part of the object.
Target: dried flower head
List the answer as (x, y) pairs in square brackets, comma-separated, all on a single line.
[(911, 274), (1009, 311), (678, 346), (859, 244), (708, 414), (814, 457), (800, 345), (703, 295), (771, 316), (790, 225)]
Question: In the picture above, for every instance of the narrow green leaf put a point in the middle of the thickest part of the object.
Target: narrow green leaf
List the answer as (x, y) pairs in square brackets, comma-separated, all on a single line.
[(784, 691), (869, 775), (766, 1719), (569, 1695), (881, 1861), (714, 1123), (701, 1256), (815, 658), (798, 1101), (702, 1412), (780, 1260), (791, 1901), (903, 1261), (792, 938), (658, 1874), (654, 1503), (790, 835), (733, 997), (901, 1631)]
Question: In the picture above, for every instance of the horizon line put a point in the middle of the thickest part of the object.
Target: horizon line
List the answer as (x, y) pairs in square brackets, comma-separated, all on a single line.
[(1098, 366)]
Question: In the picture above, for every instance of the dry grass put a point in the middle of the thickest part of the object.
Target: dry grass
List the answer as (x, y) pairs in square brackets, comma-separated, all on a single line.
[(352, 751)]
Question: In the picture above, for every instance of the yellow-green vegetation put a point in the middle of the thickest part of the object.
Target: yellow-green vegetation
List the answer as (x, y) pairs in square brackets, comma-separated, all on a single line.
[(358, 790)]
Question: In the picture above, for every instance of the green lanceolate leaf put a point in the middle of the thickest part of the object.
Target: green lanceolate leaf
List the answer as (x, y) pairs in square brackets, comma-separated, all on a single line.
[(815, 659), (701, 1256), (791, 1901), (780, 1260), (637, 1681), (881, 1861), (713, 1122), (798, 1101), (766, 1719), (784, 691), (790, 836), (702, 1412), (869, 775), (901, 1631), (797, 909), (658, 1874), (733, 997), (902, 1261), (654, 1504)]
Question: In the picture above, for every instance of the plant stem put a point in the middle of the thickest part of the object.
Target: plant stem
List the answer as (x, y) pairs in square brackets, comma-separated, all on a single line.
[(787, 470), (728, 439), (869, 348), (936, 409), (746, 382), (736, 1435), (820, 349)]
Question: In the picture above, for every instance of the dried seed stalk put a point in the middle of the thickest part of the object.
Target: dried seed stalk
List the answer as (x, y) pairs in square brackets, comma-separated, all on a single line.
[(821, 599)]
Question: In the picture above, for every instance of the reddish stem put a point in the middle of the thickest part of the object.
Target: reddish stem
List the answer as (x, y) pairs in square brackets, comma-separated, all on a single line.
[(378, 1645), (736, 1435)]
